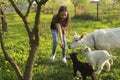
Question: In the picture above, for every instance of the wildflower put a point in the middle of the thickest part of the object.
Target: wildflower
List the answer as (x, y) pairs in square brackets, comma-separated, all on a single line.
[(35, 64), (8, 71)]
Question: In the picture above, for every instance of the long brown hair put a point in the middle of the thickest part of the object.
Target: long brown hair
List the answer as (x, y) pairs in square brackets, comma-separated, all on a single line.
[(64, 23)]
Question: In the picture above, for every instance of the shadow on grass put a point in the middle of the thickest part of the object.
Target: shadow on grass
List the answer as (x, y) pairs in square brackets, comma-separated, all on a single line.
[(53, 70)]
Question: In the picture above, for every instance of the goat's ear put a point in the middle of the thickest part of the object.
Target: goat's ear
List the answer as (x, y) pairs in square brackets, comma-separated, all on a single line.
[(87, 49), (81, 36), (75, 33)]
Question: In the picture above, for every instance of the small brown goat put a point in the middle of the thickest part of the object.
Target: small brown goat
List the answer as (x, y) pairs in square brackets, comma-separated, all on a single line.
[(84, 68)]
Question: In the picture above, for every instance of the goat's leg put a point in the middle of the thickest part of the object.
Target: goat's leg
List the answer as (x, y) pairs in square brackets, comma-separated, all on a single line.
[(93, 65), (111, 61), (108, 65), (93, 76), (79, 74), (74, 74), (100, 67)]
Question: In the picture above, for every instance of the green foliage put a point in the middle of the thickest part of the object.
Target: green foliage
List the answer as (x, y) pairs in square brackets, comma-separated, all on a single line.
[(53, 5), (117, 0), (76, 2), (17, 45), (4, 3)]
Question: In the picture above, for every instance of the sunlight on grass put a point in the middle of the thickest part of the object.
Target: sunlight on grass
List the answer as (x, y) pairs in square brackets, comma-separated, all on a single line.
[(16, 43)]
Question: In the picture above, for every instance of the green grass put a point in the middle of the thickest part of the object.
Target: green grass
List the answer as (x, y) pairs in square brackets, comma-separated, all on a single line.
[(17, 45)]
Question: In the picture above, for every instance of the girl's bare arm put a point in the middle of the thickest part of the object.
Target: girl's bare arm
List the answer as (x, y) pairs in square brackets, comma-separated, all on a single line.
[(58, 26)]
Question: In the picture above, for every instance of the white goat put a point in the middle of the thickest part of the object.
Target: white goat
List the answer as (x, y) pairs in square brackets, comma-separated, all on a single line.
[(106, 39), (100, 56)]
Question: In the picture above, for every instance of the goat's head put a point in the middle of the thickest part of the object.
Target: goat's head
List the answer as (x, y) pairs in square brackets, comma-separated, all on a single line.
[(76, 42), (73, 55), (86, 50)]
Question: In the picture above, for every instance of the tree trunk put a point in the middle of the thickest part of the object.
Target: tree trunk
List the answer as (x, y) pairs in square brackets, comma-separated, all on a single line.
[(33, 35), (3, 20), (34, 43), (9, 59)]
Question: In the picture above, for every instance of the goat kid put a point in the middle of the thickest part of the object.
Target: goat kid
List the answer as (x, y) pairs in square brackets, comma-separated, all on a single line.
[(100, 56), (84, 68)]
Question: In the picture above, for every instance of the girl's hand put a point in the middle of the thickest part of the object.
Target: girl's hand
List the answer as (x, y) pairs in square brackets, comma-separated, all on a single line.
[(62, 45)]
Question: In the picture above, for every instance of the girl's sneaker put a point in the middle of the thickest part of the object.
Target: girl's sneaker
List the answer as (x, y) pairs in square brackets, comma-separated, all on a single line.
[(64, 60), (52, 58)]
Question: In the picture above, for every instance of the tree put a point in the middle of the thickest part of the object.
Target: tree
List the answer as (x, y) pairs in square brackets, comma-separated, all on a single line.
[(3, 5), (75, 3), (53, 5), (79, 6), (33, 39)]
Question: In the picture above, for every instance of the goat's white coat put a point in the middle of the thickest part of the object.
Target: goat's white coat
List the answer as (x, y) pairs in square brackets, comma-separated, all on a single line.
[(101, 57), (78, 75), (106, 39)]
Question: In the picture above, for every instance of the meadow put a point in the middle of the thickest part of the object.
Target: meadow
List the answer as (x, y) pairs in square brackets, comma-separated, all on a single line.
[(17, 45)]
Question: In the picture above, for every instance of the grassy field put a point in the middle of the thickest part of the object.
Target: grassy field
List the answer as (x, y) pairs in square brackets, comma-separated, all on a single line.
[(16, 44)]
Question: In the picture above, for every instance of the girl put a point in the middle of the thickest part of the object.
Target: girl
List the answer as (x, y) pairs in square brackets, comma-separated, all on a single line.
[(59, 26)]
